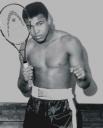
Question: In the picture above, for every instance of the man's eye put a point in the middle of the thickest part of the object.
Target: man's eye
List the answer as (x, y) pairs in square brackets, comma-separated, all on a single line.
[(40, 23)]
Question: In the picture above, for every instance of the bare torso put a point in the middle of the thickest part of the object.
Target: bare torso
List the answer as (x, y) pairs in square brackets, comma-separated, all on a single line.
[(51, 63)]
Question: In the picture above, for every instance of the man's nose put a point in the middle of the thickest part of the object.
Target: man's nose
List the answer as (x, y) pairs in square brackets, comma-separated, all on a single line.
[(36, 30)]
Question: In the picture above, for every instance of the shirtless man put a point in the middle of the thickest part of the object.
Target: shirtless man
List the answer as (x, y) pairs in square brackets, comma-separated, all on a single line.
[(57, 61)]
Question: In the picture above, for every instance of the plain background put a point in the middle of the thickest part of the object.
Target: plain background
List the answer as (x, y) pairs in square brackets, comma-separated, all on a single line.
[(82, 18)]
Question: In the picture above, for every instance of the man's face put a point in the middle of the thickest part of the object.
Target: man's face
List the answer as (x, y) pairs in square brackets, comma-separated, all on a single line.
[(39, 28)]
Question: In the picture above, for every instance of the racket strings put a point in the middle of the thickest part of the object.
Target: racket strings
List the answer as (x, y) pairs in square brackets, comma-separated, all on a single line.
[(19, 50), (11, 13)]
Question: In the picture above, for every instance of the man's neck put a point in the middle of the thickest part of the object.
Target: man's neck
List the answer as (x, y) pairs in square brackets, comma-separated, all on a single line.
[(49, 39), (50, 36)]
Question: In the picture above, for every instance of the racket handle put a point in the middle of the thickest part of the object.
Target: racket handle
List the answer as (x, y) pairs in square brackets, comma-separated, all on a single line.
[(26, 64), (30, 82)]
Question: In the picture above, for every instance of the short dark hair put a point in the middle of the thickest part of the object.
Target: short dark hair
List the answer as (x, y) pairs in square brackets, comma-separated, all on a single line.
[(34, 9)]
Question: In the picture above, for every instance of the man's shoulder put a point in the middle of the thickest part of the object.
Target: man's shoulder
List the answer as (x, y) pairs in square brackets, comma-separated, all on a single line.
[(70, 42), (25, 44), (62, 34), (66, 37), (31, 42), (69, 39)]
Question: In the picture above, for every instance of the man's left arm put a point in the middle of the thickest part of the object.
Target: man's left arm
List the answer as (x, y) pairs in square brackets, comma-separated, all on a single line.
[(80, 67), (92, 87)]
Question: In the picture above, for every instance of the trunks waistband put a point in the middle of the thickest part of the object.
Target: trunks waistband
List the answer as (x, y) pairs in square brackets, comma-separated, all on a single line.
[(52, 94)]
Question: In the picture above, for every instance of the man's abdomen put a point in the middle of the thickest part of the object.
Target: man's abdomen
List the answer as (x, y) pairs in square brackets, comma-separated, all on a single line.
[(53, 78)]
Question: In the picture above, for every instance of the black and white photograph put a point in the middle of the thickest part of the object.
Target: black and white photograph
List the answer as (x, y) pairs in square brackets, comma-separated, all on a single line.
[(51, 64)]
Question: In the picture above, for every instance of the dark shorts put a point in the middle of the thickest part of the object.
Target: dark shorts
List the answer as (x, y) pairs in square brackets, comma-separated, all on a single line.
[(47, 114)]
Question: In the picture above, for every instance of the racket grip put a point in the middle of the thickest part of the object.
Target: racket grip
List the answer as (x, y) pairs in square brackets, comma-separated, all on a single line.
[(26, 64), (30, 82)]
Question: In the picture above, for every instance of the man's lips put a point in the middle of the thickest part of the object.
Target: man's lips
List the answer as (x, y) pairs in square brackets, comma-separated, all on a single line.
[(38, 37)]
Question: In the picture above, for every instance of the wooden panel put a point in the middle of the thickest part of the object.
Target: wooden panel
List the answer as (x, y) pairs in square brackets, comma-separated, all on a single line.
[(12, 111), (91, 115), (11, 124)]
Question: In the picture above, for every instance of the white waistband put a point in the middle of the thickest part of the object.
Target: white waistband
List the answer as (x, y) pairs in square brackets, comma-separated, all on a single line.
[(52, 94)]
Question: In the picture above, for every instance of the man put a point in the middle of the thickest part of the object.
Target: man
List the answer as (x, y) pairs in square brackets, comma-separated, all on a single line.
[(57, 62)]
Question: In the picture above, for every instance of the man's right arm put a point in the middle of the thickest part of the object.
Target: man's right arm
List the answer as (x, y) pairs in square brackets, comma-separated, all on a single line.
[(22, 80), (23, 84)]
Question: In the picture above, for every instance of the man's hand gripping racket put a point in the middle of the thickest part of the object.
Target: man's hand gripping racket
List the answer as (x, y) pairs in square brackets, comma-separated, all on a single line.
[(14, 30)]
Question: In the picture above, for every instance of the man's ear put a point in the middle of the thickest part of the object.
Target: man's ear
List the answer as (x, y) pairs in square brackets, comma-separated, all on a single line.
[(50, 21)]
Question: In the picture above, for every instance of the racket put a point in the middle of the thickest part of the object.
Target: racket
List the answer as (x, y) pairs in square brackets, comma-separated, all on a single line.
[(14, 30)]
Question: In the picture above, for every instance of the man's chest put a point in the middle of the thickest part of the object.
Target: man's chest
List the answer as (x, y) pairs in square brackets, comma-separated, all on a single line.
[(53, 56)]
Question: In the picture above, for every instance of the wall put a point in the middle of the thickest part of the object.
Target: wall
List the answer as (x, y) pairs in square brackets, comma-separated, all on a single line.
[(82, 18)]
